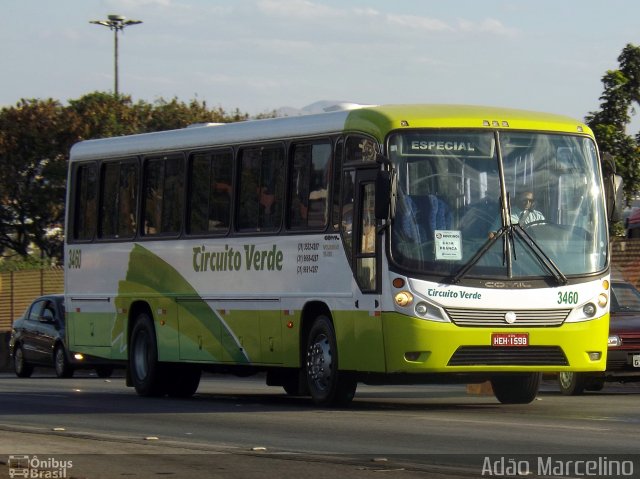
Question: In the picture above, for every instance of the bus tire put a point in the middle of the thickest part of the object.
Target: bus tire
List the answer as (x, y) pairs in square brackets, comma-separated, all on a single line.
[(571, 384), (328, 386), (182, 380), (146, 371), (295, 384), (517, 388)]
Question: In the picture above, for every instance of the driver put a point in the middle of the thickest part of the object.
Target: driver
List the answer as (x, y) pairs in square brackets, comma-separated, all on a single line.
[(524, 212)]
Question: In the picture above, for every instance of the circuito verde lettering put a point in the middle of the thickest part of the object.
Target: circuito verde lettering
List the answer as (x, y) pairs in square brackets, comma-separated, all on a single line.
[(229, 259)]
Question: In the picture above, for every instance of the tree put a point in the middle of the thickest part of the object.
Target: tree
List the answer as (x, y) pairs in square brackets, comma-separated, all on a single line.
[(102, 115), (35, 139), (621, 93)]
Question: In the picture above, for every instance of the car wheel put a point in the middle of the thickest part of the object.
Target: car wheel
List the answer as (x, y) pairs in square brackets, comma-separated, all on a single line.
[(571, 384), (104, 371), (20, 365), (62, 366)]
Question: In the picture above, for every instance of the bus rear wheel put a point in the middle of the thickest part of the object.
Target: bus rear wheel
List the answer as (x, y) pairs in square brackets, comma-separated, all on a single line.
[(328, 385), (516, 388), (182, 380), (145, 369)]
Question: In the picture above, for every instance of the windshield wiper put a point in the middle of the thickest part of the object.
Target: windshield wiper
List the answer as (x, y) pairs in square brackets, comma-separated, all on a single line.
[(540, 254), (506, 233), (476, 257)]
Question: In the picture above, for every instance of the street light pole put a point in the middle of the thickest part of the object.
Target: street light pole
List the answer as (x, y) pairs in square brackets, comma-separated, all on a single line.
[(117, 23)]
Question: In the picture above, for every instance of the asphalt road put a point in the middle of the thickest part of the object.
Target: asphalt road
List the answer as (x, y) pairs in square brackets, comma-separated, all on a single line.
[(241, 428)]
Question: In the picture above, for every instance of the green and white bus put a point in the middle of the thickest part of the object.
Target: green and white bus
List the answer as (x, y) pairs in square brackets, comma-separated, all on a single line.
[(373, 244)]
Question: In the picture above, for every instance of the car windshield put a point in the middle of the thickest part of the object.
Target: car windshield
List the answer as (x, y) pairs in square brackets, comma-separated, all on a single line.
[(499, 205), (625, 297)]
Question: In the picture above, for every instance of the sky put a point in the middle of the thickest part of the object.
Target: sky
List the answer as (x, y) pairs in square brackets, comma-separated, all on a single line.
[(262, 55)]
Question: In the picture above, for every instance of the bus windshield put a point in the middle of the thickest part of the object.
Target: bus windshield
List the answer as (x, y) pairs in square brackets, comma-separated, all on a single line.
[(499, 205)]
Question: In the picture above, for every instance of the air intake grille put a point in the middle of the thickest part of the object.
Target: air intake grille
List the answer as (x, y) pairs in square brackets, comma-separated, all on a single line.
[(630, 340), (505, 356), (496, 317)]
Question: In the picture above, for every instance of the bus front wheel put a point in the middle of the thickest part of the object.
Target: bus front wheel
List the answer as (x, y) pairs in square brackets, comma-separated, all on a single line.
[(516, 388), (145, 369), (328, 385)]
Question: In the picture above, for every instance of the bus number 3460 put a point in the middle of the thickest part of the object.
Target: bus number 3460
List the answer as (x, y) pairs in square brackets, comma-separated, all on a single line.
[(568, 297)]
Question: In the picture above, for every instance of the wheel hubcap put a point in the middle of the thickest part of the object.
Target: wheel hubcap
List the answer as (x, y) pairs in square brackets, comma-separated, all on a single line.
[(566, 379), (319, 362)]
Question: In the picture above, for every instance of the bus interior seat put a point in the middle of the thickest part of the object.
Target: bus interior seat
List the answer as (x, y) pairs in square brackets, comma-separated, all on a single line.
[(432, 213)]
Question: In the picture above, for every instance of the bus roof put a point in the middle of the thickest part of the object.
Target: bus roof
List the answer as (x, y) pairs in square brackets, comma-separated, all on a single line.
[(374, 120)]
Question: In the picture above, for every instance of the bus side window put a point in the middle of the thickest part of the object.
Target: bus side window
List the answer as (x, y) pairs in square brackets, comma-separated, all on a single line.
[(163, 187), (261, 189), (128, 191), (309, 178), (210, 192), (85, 214), (118, 200)]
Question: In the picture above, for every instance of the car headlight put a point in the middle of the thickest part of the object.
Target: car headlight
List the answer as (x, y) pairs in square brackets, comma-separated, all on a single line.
[(614, 341)]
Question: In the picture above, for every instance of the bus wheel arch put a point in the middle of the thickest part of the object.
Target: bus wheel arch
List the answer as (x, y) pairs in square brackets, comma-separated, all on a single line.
[(294, 380), (310, 312), (146, 373), (137, 308), (328, 385)]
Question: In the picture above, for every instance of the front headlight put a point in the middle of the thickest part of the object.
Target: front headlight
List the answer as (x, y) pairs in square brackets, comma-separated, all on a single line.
[(403, 298)]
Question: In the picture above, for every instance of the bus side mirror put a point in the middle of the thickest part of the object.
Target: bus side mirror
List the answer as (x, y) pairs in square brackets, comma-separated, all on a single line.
[(386, 188), (613, 190), (614, 197)]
